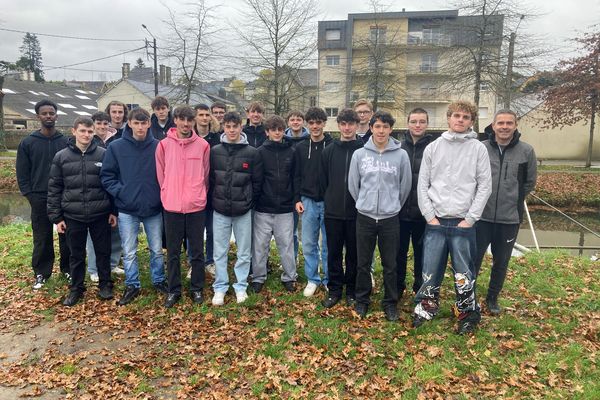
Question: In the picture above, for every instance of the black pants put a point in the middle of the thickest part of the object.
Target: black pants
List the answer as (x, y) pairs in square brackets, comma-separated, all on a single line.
[(178, 227), (502, 237), (386, 233), (341, 233), (76, 238), (408, 230), (42, 257)]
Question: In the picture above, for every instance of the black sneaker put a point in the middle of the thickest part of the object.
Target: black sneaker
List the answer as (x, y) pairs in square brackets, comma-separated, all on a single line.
[(330, 301), (418, 321), (391, 313), (492, 306), (350, 301), (197, 297), (290, 286), (172, 299), (131, 292), (162, 287), (361, 309), (467, 322), (72, 299), (105, 293), (257, 286), (40, 281)]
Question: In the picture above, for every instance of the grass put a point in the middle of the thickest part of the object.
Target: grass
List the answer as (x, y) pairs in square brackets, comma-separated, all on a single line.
[(281, 345)]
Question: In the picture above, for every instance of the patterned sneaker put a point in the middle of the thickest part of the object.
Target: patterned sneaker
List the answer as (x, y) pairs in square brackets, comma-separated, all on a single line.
[(39, 282), (467, 322)]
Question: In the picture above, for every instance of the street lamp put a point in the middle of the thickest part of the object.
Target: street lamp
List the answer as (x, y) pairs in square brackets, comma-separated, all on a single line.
[(509, 67), (155, 61)]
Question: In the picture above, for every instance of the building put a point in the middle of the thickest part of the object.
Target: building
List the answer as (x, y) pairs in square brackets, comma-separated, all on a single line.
[(403, 60)]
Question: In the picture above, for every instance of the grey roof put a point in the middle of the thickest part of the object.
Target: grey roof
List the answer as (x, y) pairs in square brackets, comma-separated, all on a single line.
[(144, 74), (21, 96), (173, 93)]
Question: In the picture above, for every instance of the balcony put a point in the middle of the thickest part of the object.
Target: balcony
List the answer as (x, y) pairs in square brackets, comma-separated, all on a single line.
[(418, 39), (430, 95)]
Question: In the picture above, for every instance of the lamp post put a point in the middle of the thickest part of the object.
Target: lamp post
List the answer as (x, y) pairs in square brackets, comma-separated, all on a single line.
[(155, 61), (509, 67)]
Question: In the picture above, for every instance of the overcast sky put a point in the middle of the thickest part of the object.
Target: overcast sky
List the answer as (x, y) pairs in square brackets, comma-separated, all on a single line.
[(122, 20)]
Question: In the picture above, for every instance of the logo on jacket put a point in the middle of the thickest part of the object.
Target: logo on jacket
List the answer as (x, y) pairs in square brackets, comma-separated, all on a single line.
[(245, 165), (369, 164), (98, 164)]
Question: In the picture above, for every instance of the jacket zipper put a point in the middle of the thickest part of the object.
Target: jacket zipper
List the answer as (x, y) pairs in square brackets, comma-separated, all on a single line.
[(501, 157)]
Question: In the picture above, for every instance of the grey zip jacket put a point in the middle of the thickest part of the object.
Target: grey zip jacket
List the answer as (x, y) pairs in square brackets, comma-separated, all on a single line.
[(380, 182), (455, 180)]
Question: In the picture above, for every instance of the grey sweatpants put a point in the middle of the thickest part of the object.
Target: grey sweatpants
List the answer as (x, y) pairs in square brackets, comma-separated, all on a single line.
[(282, 227)]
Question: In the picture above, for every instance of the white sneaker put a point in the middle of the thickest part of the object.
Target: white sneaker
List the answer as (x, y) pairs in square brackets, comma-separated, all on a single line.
[(94, 278), (210, 268), (241, 296), (218, 299), (39, 282), (118, 270), (189, 274), (310, 289)]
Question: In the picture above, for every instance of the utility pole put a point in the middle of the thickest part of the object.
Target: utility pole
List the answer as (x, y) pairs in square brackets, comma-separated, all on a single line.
[(155, 60), (509, 67)]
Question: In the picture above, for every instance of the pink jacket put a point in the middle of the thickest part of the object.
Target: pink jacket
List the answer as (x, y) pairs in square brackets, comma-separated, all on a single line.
[(182, 167)]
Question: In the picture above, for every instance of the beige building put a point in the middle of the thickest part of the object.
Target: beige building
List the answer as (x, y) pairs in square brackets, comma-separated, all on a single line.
[(399, 61)]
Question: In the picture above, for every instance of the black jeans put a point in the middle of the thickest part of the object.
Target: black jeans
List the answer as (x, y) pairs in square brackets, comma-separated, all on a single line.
[(408, 230), (386, 232), (502, 237), (178, 227), (42, 257), (341, 233), (77, 238)]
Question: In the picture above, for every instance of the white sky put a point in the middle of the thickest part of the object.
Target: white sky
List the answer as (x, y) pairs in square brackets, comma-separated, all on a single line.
[(560, 21)]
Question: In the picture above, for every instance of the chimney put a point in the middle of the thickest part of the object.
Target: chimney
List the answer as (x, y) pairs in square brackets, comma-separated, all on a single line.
[(162, 74), (125, 70), (168, 76), (30, 76)]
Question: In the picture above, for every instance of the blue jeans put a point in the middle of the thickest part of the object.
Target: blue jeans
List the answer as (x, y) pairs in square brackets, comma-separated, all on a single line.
[(438, 241), (242, 231), (129, 227), (313, 222), (115, 251)]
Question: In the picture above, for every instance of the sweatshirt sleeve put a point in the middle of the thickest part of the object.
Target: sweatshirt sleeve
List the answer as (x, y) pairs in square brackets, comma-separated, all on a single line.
[(160, 164), (425, 204), (531, 176), (55, 191), (405, 178), (354, 176), (297, 174), (206, 166), (110, 174), (324, 175), (257, 176), (23, 166), (484, 186)]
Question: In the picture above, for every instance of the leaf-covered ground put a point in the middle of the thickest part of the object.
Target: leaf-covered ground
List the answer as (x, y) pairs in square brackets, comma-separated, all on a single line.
[(277, 345)]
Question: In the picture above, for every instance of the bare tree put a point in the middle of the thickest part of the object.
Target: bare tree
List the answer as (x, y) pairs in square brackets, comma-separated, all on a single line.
[(279, 38)]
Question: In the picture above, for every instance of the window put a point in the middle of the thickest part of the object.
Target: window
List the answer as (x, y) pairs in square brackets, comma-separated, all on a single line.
[(484, 86), (429, 63), (333, 34), (378, 35), (354, 96), (428, 90), (333, 60), (132, 106), (331, 86), (312, 101), (331, 111), (432, 35)]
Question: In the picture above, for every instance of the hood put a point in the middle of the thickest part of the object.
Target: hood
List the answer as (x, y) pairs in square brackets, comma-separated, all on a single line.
[(172, 134), (513, 141), (243, 139), (352, 144), (392, 144), (303, 134), (39, 134), (284, 144), (128, 135), (423, 141), (459, 137), (154, 119)]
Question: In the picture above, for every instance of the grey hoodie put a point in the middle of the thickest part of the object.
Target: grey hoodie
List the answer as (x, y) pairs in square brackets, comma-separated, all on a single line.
[(380, 182), (455, 179)]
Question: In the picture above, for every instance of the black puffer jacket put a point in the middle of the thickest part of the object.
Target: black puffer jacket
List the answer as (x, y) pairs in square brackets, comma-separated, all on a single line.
[(236, 174), (410, 211), (335, 163), (256, 135), (277, 195), (74, 189)]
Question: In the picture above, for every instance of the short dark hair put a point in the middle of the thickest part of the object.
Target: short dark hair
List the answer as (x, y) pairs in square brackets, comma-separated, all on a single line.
[(43, 103), (274, 122), (218, 105), (315, 114), (294, 113), (232, 116), (117, 103), (382, 116), (201, 106), (85, 121), (256, 106), (159, 102), (505, 111), (100, 116), (184, 112), (138, 114), (417, 110), (347, 115)]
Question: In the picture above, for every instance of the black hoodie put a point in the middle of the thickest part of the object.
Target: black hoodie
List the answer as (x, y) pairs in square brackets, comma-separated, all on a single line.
[(335, 163), (410, 211), (277, 195), (256, 134), (158, 131), (308, 168)]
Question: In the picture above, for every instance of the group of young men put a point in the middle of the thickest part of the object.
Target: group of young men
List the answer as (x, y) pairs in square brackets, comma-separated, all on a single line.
[(201, 169)]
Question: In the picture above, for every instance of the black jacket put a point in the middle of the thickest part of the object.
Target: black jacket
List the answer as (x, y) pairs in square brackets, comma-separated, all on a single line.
[(410, 211), (34, 157), (335, 163), (366, 136), (236, 175), (277, 195), (213, 138), (256, 134), (308, 168), (158, 131), (74, 189)]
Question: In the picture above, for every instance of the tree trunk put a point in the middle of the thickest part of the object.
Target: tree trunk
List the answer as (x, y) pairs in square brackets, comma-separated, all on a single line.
[(1, 109), (588, 162)]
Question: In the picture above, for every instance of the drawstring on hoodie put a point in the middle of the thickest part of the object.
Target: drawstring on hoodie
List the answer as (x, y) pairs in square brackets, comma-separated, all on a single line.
[(309, 147)]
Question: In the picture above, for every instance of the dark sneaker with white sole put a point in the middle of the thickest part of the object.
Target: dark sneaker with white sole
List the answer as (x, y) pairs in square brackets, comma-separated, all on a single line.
[(467, 322)]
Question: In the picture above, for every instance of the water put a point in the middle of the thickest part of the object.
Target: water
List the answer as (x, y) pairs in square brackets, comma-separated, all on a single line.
[(551, 228)]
